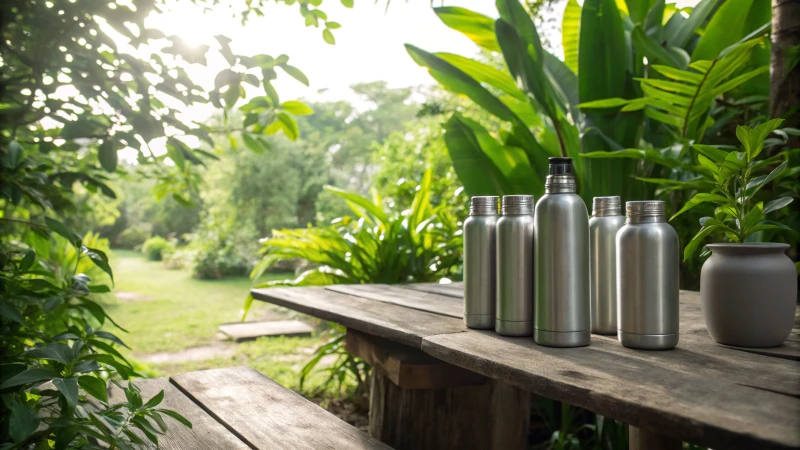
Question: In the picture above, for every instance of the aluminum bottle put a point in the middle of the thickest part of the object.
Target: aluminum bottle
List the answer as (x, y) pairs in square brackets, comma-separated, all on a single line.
[(606, 220), (561, 262), (647, 278), (515, 267), (480, 271)]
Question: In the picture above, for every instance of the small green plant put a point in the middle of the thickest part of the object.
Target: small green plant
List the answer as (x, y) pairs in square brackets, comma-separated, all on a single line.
[(734, 178), (156, 248)]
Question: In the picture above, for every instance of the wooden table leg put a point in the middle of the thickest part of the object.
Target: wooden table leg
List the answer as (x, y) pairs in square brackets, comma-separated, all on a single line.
[(491, 416), (418, 402), (640, 439)]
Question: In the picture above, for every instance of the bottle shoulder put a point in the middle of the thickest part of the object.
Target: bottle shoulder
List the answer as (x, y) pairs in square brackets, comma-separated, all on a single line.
[(613, 223), (480, 220), (648, 230)]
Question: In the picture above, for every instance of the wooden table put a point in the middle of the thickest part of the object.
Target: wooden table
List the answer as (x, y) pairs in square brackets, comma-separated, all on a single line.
[(701, 392)]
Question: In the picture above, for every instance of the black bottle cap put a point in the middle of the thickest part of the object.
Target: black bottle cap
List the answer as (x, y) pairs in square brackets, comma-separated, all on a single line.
[(560, 166)]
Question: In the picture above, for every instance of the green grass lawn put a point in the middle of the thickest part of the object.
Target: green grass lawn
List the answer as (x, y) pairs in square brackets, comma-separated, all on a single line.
[(172, 322)]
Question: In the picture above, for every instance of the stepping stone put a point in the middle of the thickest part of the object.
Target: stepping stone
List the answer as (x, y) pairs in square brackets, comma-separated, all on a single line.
[(248, 331)]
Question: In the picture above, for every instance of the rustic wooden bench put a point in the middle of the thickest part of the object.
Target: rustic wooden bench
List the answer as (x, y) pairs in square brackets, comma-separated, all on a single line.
[(239, 408)]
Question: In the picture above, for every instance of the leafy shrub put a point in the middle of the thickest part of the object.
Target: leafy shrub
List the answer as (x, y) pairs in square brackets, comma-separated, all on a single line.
[(132, 238), (58, 355), (155, 248), (377, 245), (221, 247)]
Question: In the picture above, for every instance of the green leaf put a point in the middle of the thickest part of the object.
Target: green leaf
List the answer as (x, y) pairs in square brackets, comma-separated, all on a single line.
[(688, 27), (107, 154), (22, 422), (296, 73), (708, 164), (327, 36), (55, 351), (154, 401), (772, 175), (777, 204), (753, 138), (753, 217), (175, 416), (10, 312), (346, 4), (94, 386), (100, 259), (109, 336), (477, 27), (654, 51), (69, 389), (602, 52), (707, 229), (730, 23), (714, 153), (99, 289), (484, 73), (770, 225), (30, 376), (570, 32), (254, 144), (289, 125), (374, 210), (701, 198), (605, 103), (27, 260), (296, 108), (63, 230)]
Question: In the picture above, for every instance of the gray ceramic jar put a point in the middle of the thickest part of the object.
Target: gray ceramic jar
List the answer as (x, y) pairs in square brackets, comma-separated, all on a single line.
[(748, 294)]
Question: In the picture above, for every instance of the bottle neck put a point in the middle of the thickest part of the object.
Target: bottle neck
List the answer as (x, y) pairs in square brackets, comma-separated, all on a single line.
[(560, 184), (645, 219)]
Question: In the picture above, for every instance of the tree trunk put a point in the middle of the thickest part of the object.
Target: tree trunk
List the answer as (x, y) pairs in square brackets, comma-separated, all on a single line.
[(784, 92)]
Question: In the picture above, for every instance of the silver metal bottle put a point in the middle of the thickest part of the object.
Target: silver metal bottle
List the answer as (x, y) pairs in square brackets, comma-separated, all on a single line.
[(515, 267), (480, 271), (606, 220), (561, 262), (647, 278)]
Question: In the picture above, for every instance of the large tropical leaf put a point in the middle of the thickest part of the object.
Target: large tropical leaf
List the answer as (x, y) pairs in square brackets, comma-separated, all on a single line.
[(485, 74), (570, 32), (680, 34), (683, 99), (485, 166), (477, 27)]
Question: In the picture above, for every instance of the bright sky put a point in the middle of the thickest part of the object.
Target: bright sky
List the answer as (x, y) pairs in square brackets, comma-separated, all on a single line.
[(369, 46)]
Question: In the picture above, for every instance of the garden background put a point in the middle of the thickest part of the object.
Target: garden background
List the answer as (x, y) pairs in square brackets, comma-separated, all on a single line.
[(153, 177)]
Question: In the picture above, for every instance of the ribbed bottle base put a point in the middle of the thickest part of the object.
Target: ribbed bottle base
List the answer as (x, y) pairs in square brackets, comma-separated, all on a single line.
[(648, 341), (479, 321), (562, 339), (511, 328)]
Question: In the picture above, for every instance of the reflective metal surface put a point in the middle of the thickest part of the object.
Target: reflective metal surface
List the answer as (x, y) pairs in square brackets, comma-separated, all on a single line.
[(480, 270), (648, 254), (561, 265), (606, 220), (515, 267)]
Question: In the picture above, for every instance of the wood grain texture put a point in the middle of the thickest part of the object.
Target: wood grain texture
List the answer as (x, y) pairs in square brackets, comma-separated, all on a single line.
[(491, 416), (393, 322), (450, 290), (409, 298), (248, 331), (639, 439), (693, 393), (266, 415), (408, 367), (206, 432)]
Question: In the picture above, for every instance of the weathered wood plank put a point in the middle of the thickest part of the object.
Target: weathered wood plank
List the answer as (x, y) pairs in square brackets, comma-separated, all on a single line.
[(450, 290), (397, 295), (408, 367), (393, 322), (206, 432), (266, 415), (694, 392), (492, 416), (248, 331)]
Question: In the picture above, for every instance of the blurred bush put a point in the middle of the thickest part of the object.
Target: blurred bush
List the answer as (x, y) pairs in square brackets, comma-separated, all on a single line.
[(155, 248)]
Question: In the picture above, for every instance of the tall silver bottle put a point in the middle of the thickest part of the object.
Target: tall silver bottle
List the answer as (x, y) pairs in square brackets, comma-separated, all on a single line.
[(561, 262), (515, 267), (480, 271), (647, 278), (606, 220)]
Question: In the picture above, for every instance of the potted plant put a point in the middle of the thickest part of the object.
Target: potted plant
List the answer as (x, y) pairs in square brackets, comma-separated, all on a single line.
[(748, 289)]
